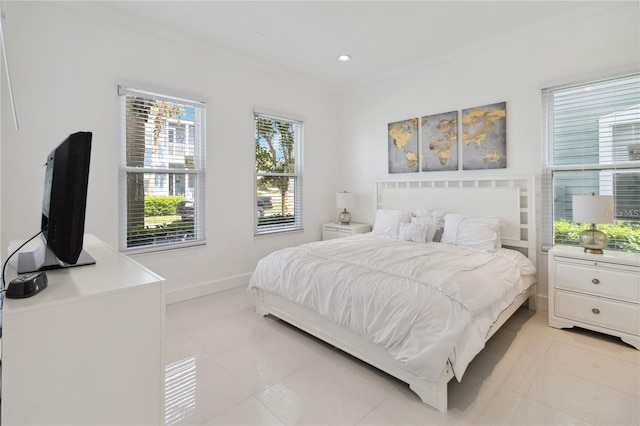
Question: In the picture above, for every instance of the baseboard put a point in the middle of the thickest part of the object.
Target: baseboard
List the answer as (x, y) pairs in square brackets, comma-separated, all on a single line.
[(543, 303), (203, 289)]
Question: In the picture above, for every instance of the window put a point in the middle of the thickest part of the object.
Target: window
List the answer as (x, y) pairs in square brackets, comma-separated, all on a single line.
[(592, 144), (278, 174), (162, 170)]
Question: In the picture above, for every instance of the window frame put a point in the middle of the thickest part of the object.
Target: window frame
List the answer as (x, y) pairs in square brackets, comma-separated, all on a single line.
[(194, 167), (298, 223), (606, 161)]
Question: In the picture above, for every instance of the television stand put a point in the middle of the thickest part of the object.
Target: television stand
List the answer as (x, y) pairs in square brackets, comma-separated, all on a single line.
[(88, 349), (41, 258)]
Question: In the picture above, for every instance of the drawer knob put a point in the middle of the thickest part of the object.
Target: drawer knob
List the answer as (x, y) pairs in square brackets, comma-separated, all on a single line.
[(595, 311), (595, 281)]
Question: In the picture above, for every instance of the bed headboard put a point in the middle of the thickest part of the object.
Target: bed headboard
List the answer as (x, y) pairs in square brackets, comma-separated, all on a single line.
[(509, 197)]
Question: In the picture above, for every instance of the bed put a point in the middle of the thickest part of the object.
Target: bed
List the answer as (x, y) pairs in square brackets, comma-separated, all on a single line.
[(419, 311)]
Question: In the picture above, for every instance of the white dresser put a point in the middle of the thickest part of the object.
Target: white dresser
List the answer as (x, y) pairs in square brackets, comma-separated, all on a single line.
[(88, 349), (335, 230), (600, 292)]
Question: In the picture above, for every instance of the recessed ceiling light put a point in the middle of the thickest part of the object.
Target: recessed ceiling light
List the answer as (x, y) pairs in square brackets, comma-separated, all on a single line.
[(344, 58)]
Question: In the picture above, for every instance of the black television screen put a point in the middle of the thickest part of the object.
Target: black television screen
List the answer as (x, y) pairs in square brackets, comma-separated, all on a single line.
[(63, 207), (65, 196)]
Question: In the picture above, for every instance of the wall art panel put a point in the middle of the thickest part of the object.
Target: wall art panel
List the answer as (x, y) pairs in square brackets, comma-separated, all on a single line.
[(403, 146), (484, 137), (439, 142)]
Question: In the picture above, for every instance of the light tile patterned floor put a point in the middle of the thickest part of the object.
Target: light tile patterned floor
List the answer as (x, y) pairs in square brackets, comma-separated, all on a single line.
[(226, 365)]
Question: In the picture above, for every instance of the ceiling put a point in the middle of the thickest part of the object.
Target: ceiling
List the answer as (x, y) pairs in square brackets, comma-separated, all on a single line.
[(305, 38)]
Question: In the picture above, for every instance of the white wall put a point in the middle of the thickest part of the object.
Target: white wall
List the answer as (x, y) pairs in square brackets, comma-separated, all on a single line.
[(65, 68), (596, 41)]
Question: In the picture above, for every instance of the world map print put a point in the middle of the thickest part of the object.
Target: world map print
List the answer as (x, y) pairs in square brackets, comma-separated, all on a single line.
[(484, 137), (440, 142), (403, 146)]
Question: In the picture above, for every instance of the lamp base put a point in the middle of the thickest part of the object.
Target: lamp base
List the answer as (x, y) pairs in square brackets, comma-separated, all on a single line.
[(593, 251), (344, 217), (593, 241)]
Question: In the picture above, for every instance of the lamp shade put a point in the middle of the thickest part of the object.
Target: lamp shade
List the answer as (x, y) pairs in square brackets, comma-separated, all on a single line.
[(345, 200), (593, 209)]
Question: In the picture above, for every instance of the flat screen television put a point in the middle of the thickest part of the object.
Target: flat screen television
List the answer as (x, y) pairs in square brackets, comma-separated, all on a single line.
[(63, 208)]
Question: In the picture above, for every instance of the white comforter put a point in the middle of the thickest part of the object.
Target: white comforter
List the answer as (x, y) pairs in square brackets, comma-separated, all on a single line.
[(425, 303)]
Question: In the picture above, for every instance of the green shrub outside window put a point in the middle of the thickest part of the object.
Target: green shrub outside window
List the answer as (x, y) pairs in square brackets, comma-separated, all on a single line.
[(624, 236)]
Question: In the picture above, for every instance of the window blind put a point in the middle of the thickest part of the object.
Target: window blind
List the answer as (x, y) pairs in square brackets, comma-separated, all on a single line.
[(278, 177), (592, 144), (162, 170)]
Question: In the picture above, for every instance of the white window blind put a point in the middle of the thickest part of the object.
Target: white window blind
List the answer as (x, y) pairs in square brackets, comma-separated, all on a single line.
[(278, 143), (162, 170), (592, 144)]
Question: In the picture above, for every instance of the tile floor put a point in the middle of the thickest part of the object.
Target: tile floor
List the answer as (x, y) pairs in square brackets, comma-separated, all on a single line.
[(226, 365)]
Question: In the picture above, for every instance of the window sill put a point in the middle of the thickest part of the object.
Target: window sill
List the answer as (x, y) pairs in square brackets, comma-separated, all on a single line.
[(132, 251)]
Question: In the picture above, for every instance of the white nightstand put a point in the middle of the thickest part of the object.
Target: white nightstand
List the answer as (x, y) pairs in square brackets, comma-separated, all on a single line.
[(600, 292), (335, 230)]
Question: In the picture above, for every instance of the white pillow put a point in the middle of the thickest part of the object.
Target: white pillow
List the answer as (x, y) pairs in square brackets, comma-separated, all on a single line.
[(439, 228), (475, 232), (481, 233), (431, 225), (387, 223), (438, 214), (451, 221), (405, 216), (416, 232)]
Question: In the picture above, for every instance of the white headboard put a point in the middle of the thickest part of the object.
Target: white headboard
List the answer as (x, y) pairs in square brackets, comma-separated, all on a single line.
[(509, 197)]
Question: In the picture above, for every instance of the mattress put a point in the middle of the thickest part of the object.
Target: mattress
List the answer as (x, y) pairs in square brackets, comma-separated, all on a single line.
[(425, 303)]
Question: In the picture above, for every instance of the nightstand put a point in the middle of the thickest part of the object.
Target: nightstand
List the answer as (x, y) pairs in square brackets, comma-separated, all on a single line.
[(335, 230), (600, 292)]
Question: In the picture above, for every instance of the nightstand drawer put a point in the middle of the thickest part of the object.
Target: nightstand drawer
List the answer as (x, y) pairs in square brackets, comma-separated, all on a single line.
[(598, 279), (605, 313), (331, 231)]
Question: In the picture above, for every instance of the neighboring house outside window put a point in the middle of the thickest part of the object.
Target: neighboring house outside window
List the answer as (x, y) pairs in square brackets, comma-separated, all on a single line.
[(162, 170), (592, 144), (278, 155)]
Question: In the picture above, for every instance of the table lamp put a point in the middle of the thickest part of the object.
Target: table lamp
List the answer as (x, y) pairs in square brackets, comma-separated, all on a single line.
[(344, 200), (593, 209)]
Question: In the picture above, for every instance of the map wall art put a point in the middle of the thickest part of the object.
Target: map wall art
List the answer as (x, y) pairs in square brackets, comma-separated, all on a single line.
[(439, 136), (403, 146), (484, 137)]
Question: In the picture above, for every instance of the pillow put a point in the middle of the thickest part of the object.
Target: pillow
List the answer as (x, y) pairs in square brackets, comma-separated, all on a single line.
[(450, 228), (416, 232), (481, 233), (475, 232), (438, 214), (405, 216), (387, 223), (437, 236), (431, 225)]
